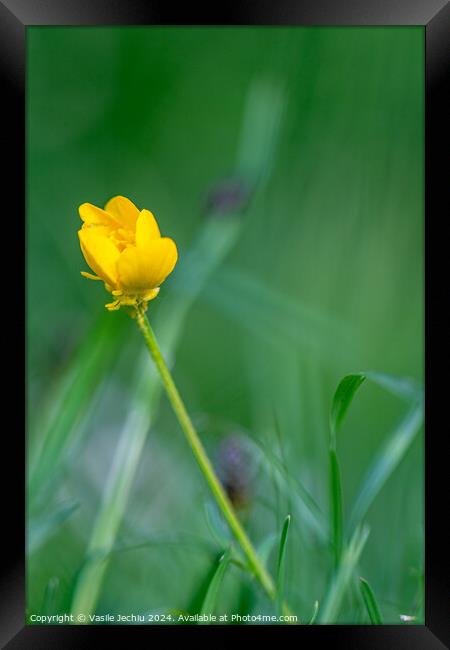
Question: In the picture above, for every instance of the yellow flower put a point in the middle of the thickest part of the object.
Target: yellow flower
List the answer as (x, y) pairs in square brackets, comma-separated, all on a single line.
[(124, 248)]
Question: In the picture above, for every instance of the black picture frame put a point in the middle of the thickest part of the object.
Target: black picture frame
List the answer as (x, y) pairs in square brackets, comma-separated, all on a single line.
[(434, 16)]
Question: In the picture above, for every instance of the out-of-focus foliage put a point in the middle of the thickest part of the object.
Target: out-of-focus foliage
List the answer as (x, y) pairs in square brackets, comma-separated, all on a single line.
[(323, 279)]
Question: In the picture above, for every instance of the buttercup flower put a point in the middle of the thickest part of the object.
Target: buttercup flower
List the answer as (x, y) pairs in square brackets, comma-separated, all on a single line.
[(124, 249)]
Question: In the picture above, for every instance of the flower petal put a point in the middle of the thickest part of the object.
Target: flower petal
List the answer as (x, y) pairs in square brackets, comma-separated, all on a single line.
[(100, 254), (124, 211), (146, 229), (94, 216), (140, 271)]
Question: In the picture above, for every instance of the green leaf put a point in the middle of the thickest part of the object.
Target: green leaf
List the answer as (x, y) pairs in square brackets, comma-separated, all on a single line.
[(336, 507), (371, 602), (340, 582), (281, 560), (388, 458), (342, 399), (212, 593)]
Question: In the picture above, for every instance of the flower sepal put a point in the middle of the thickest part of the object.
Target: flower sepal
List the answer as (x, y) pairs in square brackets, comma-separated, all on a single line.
[(130, 303)]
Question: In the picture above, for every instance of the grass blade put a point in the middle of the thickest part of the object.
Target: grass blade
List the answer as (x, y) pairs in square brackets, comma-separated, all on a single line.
[(349, 561), (114, 499), (41, 527), (70, 400), (212, 593), (336, 507), (49, 603), (276, 318), (265, 548), (394, 448), (314, 614), (310, 512), (401, 387), (388, 458), (217, 526), (342, 399), (371, 602), (281, 561)]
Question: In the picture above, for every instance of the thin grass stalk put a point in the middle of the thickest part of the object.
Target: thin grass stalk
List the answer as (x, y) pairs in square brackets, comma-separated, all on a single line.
[(342, 577), (202, 459), (115, 497)]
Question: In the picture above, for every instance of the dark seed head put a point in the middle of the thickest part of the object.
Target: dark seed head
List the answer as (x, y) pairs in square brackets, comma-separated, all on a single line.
[(228, 196), (234, 466)]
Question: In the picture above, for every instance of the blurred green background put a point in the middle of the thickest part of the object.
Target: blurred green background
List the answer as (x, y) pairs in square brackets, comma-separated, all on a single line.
[(324, 278)]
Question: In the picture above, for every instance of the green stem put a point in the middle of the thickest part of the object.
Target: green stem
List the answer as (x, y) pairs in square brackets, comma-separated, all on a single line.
[(202, 458)]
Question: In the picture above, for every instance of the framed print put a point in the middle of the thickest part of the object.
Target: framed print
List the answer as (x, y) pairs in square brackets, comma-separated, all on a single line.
[(228, 287)]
